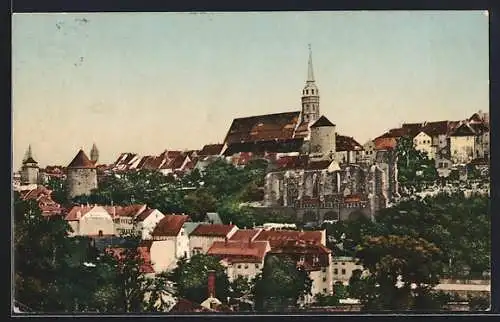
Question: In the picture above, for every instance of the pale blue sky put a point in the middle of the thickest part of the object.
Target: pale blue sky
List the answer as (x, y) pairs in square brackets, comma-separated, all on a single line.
[(155, 81)]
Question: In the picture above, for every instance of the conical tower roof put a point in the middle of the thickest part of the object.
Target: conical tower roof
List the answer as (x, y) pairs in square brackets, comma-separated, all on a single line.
[(81, 161), (322, 122)]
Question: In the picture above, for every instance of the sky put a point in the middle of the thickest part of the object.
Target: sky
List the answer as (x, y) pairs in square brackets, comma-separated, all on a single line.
[(146, 82)]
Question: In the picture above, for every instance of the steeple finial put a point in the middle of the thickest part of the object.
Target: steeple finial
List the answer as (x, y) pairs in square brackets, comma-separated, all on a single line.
[(29, 154), (310, 73)]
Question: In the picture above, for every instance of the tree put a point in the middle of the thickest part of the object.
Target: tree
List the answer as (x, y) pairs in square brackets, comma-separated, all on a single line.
[(413, 263), (281, 284), (241, 287), (340, 292), (191, 278), (413, 165), (58, 187)]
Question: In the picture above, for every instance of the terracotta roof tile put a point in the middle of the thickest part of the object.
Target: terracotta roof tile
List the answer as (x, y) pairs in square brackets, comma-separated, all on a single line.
[(278, 237), (81, 161), (244, 234), (170, 225), (211, 149), (73, 213), (346, 143), (263, 127), (125, 211), (212, 230), (145, 214), (239, 251)]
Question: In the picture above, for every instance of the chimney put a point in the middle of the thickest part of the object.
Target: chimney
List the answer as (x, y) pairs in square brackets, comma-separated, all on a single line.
[(225, 241), (211, 283)]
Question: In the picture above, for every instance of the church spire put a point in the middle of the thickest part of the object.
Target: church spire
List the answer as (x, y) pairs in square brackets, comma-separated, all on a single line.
[(28, 154), (310, 71)]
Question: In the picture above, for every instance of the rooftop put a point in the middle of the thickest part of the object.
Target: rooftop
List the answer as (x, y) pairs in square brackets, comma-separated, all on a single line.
[(170, 225), (212, 230)]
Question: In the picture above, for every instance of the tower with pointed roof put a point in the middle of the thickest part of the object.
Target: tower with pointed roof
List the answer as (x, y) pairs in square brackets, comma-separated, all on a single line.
[(323, 139), (310, 95), (94, 154), (81, 176), (29, 169)]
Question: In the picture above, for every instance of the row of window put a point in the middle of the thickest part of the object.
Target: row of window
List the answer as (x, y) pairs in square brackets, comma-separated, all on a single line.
[(336, 271), (246, 266), (306, 92), (336, 263)]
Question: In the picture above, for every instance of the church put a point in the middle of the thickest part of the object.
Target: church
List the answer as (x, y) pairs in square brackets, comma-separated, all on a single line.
[(316, 172)]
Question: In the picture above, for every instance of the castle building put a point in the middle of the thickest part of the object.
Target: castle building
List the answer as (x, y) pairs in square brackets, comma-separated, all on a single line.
[(29, 169), (81, 177), (94, 154)]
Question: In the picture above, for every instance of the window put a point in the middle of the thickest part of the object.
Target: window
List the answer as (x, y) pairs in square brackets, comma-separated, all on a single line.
[(323, 269), (336, 271), (324, 290), (302, 258), (257, 266), (246, 266), (312, 91), (324, 279), (343, 271), (343, 263), (307, 91), (182, 233), (315, 259), (239, 266)]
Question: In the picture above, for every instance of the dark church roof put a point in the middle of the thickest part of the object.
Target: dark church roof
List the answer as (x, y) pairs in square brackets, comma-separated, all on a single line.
[(280, 126), (81, 161), (322, 122), (346, 143), (30, 160)]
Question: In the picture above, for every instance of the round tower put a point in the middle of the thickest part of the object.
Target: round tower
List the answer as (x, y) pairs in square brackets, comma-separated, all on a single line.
[(323, 138), (310, 95), (29, 171), (81, 176)]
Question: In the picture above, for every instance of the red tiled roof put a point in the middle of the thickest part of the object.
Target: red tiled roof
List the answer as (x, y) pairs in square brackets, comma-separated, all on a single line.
[(302, 130), (73, 213), (436, 128), (81, 161), (278, 237), (125, 211), (291, 162), (346, 143), (263, 127), (384, 143), (239, 250), (211, 149), (244, 234), (170, 225), (212, 230), (143, 252), (307, 254)]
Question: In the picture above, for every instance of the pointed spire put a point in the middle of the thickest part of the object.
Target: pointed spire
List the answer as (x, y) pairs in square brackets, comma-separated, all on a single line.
[(29, 153), (310, 72)]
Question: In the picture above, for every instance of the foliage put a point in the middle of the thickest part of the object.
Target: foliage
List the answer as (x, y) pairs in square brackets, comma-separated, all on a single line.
[(340, 292), (479, 303), (191, 277), (389, 258), (281, 284), (241, 287), (412, 162), (59, 192)]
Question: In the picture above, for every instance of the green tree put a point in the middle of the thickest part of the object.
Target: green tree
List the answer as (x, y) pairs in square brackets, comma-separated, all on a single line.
[(387, 258), (281, 284), (412, 162), (58, 187), (191, 278)]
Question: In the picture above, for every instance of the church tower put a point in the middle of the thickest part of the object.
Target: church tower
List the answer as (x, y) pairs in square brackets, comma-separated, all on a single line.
[(94, 154), (310, 95)]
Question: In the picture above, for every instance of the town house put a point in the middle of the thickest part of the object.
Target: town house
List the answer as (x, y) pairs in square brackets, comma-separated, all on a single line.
[(169, 242), (90, 221), (146, 221), (204, 235)]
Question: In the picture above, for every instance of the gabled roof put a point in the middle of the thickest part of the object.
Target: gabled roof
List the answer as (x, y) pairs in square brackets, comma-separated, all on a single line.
[(463, 130), (318, 165), (322, 122), (245, 234), (212, 230), (278, 237), (125, 211), (145, 214), (279, 126), (213, 218), (346, 143), (81, 161), (239, 251), (73, 213), (211, 149), (436, 128), (170, 225)]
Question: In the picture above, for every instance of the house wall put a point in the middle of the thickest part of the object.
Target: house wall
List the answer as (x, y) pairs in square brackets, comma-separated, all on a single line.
[(75, 226), (163, 254), (443, 167), (342, 269), (423, 142), (147, 226), (29, 174), (462, 148), (201, 242), (95, 221), (182, 244), (124, 225), (248, 270)]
